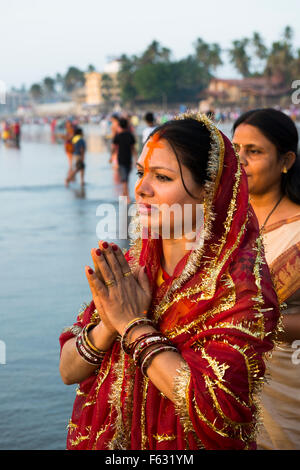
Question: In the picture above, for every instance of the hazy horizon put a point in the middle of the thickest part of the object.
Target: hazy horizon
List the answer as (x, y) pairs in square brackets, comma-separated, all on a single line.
[(42, 39)]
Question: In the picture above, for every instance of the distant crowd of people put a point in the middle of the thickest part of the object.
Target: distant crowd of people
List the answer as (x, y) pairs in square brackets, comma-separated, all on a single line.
[(123, 147), (75, 148), (11, 133)]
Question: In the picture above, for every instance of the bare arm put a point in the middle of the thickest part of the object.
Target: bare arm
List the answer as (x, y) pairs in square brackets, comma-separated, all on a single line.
[(163, 367), (113, 151), (291, 319), (74, 369)]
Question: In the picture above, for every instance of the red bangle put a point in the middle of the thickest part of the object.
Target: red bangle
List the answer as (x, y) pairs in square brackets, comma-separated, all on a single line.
[(132, 324), (133, 345), (148, 357), (85, 351), (145, 344)]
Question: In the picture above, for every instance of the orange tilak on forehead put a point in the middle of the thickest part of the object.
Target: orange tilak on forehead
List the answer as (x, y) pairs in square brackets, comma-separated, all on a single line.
[(152, 145)]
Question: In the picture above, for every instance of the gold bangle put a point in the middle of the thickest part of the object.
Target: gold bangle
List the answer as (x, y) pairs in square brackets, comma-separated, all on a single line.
[(135, 322), (132, 321), (86, 331)]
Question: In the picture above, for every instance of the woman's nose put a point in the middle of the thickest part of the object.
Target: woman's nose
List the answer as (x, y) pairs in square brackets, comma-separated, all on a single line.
[(243, 157), (143, 186)]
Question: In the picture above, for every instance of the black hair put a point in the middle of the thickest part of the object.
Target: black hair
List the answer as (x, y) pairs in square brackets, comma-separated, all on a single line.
[(123, 123), (78, 131), (279, 128), (190, 141), (149, 117)]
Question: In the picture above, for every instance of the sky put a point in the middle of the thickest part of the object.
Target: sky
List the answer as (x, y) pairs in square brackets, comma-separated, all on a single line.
[(40, 38)]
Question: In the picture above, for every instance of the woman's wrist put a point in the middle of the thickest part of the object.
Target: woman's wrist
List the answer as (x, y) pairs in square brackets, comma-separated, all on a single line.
[(102, 337), (140, 330)]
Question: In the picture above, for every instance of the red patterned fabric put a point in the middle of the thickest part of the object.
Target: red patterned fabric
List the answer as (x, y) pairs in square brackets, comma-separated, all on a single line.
[(220, 309)]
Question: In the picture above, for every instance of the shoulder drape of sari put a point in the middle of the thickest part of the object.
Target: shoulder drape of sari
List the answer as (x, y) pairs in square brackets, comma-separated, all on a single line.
[(282, 245), (219, 308), (280, 398)]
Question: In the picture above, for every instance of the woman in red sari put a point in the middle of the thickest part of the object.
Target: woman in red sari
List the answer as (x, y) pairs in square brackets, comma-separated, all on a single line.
[(178, 328)]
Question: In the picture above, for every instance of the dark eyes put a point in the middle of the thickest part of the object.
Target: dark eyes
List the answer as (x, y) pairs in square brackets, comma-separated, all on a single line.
[(159, 177), (237, 148)]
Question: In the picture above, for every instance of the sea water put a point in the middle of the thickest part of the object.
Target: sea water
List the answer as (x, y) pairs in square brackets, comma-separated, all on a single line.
[(47, 232)]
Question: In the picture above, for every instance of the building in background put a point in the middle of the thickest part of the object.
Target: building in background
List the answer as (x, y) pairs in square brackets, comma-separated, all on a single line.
[(247, 92), (102, 90)]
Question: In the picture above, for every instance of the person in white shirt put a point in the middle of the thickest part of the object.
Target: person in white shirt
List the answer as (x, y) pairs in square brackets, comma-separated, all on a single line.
[(150, 121)]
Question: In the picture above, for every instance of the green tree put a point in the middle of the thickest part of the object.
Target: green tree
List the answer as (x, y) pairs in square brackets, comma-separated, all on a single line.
[(154, 77), (288, 35), (239, 56), (192, 77), (260, 49), (91, 68), (295, 66), (208, 55), (259, 54), (281, 59), (49, 85), (59, 82), (107, 87), (153, 81), (36, 91), (74, 78), (154, 54), (125, 78)]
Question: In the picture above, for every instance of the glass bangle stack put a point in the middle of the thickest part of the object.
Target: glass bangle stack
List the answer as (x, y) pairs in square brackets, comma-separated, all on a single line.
[(86, 349), (146, 346)]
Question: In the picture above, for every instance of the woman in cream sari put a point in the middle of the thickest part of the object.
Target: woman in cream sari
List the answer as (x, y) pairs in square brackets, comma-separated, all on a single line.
[(267, 142)]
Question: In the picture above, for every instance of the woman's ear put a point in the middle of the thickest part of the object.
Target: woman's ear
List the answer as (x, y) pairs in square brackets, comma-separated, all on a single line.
[(289, 160)]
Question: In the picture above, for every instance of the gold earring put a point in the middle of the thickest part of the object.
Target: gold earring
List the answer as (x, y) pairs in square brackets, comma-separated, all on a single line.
[(284, 170)]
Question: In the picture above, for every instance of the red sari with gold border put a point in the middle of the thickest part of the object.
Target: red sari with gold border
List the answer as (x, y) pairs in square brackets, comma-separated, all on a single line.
[(220, 310)]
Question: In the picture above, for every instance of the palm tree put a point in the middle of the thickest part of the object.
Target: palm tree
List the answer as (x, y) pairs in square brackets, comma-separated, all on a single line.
[(261, 51), (280, 61), (73, 78), (295, 66), (288, 34), (107, 86), (260, 54), (125, 78), (208, 55), (36, 91), (91, 68), (239, 57), (155, 53), (49, 85)]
